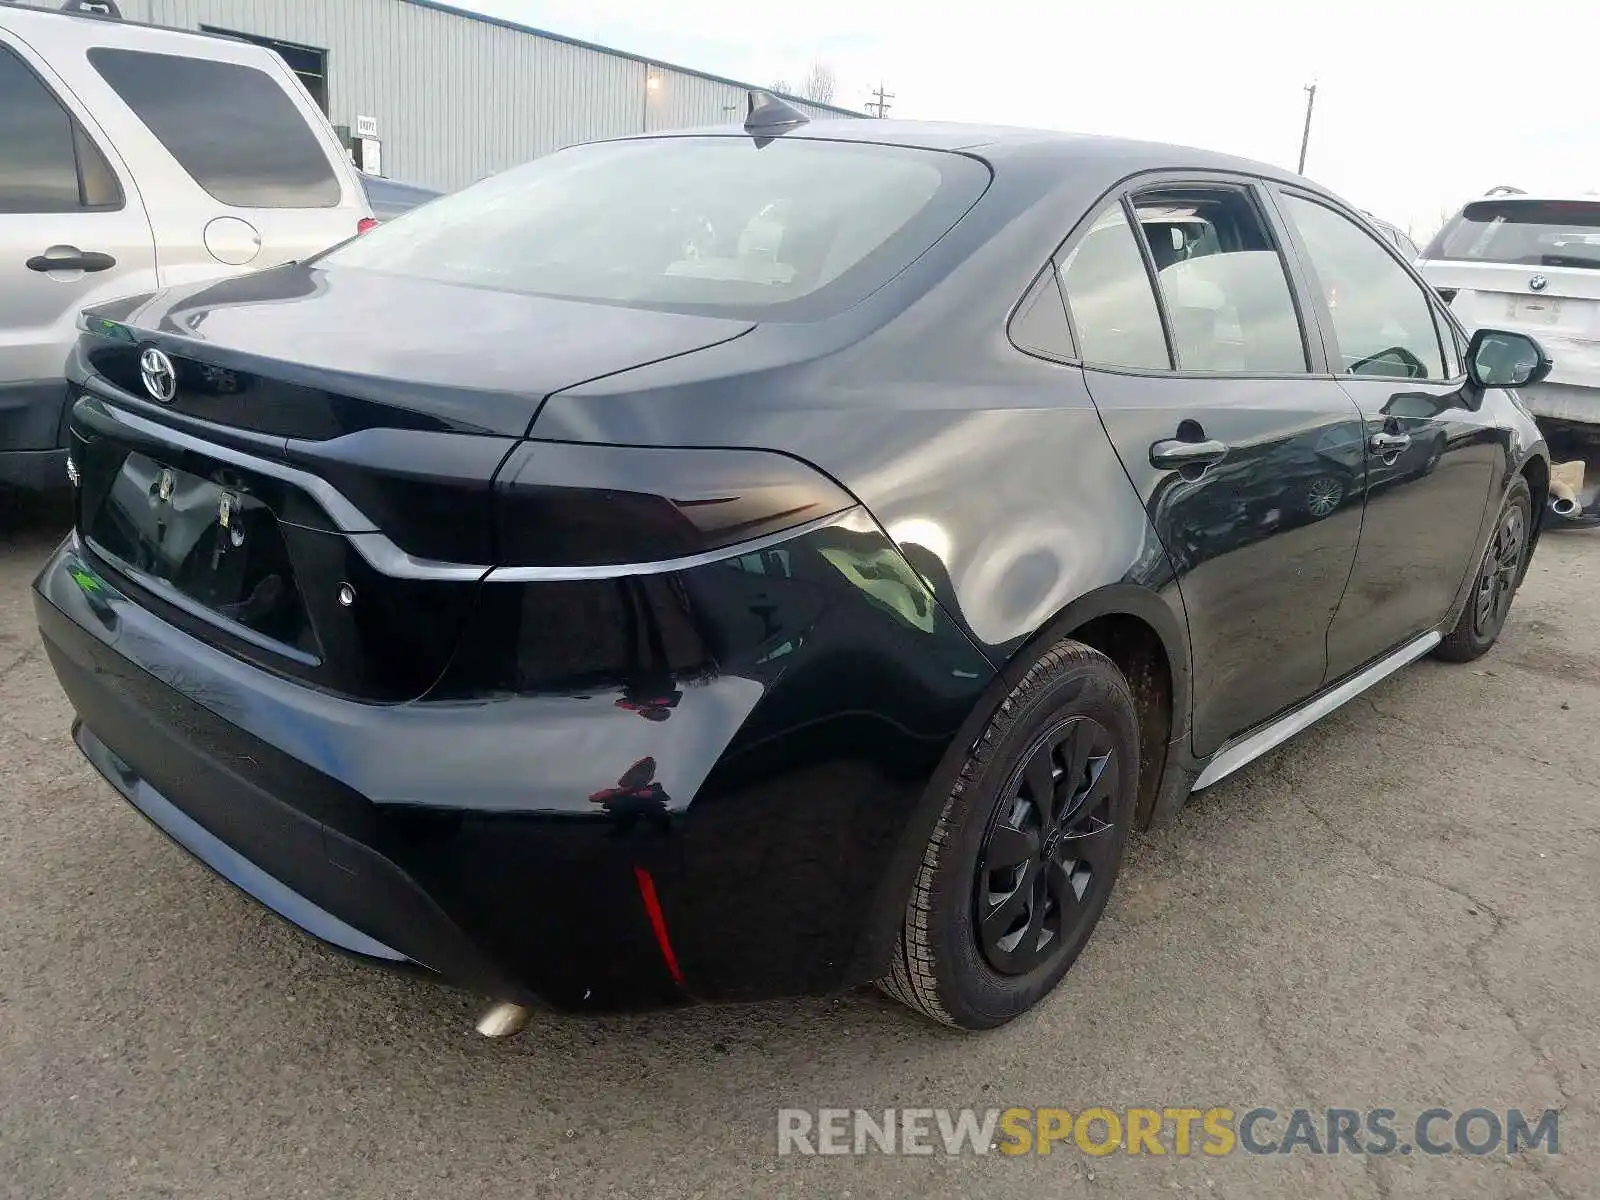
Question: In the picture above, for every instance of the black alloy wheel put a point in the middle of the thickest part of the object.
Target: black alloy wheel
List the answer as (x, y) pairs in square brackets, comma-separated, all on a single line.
[(1032, 824), (1045, 858), (1497, 581), (1495, 585)]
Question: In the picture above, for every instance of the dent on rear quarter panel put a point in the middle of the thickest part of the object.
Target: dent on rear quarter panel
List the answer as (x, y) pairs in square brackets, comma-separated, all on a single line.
[(993, 474)]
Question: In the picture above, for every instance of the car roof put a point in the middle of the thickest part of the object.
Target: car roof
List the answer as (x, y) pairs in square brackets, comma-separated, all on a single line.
[(23, 11), (1537, 198), (998, 142)]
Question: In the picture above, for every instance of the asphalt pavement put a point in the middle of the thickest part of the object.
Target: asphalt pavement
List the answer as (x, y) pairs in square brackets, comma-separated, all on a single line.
[(1396, 910)]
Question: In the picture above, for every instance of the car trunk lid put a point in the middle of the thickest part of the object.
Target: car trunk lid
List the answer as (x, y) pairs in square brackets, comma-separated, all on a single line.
[(316, 494), (312, 354)]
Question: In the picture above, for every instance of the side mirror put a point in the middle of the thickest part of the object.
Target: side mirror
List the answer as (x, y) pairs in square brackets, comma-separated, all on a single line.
[(1500, 358)]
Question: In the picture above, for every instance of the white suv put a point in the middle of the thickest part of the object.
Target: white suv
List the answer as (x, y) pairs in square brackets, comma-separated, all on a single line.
[(1531, 263), (134, 157)]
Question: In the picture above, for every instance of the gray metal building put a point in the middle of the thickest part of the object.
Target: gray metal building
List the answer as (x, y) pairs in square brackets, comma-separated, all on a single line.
[(456, 96)]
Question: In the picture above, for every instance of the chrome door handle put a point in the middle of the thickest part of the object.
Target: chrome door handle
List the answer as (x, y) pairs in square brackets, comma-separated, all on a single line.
[(1172, 454), (1388, 443)]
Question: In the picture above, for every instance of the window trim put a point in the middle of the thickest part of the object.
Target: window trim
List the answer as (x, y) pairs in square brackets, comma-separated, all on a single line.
[(1318, 295), (1130, 216), (1319, 363), (76, 129)]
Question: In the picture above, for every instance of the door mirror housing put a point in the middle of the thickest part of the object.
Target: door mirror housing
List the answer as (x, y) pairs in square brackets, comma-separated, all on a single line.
[(1503, 359)]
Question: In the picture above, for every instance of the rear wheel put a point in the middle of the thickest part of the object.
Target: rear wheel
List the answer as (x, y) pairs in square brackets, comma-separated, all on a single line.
[(1495, 585), (1027, 848)]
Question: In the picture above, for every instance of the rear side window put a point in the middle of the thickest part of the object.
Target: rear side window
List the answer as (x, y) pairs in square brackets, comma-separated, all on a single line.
[(1108, 290), (47, 162), (1531, 233), (777, 229), (1040, 323), (232, 128), (1223, 282)]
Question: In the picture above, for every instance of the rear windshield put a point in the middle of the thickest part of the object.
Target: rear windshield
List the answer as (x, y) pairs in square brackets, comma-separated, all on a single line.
[(231, 127), (1532, 233), (786, 229)]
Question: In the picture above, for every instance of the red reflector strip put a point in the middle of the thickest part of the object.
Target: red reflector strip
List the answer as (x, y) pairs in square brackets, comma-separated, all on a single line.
[(365, 224), (658, 921)]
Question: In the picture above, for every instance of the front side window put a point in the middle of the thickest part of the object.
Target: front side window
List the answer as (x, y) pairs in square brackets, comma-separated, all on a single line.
[(1381, 316), (47, 163), (233, 128), (1222, 281), (1108, 292), (1530, 233), (782, 229)]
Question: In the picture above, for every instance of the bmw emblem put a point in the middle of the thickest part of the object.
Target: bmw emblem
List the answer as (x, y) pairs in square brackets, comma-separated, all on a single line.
[(1537, 283), (160, 380)]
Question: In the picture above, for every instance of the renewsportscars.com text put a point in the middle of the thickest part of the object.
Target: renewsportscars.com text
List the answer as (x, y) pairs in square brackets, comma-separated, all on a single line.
[(1213, 1131)]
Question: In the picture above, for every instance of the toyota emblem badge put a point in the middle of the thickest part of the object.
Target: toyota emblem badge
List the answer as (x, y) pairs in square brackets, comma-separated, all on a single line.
[(160, 380)]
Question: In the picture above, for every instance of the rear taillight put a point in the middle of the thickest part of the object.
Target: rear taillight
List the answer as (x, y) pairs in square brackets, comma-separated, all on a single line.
[(561, 504), (366, 225)]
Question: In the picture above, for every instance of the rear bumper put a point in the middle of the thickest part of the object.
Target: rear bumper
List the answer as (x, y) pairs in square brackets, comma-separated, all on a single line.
[(502, 842), (289, 836), (228, 862), (1563, 402)]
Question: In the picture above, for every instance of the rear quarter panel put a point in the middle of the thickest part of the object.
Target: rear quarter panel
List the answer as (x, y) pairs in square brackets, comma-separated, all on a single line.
[(988, 467)]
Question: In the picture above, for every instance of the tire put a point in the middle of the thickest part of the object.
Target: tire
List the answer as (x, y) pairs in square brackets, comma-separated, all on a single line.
[(1495, 584), (1041, 873)]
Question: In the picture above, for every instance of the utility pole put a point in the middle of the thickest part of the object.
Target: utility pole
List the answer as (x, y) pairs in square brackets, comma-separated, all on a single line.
[(879, 106), (1305, 138)]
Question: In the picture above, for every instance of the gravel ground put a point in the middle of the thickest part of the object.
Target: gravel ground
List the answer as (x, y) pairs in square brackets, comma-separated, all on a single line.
[(1397, 909)]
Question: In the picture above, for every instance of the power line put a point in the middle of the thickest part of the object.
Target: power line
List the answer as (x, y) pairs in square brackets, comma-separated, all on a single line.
[(879, 105)]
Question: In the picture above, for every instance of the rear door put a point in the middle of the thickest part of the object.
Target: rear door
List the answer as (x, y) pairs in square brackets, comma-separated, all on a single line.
[(1246, 454), (238, 167), (1433, 450), (72, 231)]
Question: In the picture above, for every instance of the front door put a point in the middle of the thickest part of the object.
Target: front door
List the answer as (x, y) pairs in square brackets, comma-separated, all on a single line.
[(1433, 454), (72, 232), (1250, 466)]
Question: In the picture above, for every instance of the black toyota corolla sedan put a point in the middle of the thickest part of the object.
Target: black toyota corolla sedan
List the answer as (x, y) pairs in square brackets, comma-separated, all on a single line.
[(757, 562)]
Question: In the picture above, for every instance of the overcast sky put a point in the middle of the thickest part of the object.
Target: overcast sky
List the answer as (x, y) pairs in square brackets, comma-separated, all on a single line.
[(1420, 103)]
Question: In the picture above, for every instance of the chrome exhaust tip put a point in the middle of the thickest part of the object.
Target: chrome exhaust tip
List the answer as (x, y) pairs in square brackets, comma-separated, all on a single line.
[(504, 1019), (1564, 506)]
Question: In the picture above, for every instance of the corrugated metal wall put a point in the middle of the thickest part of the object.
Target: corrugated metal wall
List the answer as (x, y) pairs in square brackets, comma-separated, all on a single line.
[(457, 99)]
